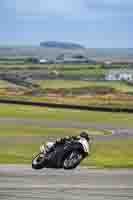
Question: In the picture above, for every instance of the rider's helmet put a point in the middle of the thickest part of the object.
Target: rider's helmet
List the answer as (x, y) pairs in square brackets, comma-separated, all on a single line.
[(84, 134)]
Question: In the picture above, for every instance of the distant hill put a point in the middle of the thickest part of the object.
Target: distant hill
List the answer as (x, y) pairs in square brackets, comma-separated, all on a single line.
[(62, 45), (98, 54)]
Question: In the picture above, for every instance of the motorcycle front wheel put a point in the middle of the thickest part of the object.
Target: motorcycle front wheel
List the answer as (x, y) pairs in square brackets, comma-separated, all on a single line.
[(72, 160), (38, 161)]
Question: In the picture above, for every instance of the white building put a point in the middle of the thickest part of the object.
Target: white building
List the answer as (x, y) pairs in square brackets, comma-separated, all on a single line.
[(43, 61), (108, 62), (118, 76), (125, 77)]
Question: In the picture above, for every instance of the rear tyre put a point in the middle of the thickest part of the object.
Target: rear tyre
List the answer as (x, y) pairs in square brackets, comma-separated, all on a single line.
[(38, 161), (72, 160)]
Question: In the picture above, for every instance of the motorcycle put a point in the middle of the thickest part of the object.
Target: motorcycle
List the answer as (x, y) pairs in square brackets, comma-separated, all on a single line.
[(67, 156)]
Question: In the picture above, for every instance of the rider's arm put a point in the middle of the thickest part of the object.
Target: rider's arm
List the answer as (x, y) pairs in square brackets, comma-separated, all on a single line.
[(65, 139), (70, 138)]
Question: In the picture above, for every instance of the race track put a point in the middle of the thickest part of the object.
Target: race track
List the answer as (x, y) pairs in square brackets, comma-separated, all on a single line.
[(23, 183), (117, 130)]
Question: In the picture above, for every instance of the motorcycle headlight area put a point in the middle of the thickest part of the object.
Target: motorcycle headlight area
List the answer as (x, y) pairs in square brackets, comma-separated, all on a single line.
[(42, 148), (49, 144)]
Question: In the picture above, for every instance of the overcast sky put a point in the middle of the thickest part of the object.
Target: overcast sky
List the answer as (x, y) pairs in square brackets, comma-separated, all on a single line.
[(93, 23)]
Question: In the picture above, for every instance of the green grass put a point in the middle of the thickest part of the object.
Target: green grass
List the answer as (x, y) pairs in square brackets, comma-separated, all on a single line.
[(75, 66), (113, 153), (90, 72), (19, 152), (12, 129), (5, 84), (109, 154), (56, 84), (19, 111), (118, 85), (22, 65), (63, 67)]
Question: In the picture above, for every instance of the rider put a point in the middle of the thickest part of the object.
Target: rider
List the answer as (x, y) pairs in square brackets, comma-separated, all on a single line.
[(50, 146)]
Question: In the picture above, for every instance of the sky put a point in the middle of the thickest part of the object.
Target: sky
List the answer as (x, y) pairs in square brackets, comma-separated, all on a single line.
[(93, 23)]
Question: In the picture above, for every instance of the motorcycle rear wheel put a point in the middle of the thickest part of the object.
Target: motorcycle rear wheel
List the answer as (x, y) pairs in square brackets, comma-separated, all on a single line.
[(38, 161), (72, 160)]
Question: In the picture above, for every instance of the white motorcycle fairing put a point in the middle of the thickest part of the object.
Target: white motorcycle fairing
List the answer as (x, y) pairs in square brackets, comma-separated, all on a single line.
[(48, 146)]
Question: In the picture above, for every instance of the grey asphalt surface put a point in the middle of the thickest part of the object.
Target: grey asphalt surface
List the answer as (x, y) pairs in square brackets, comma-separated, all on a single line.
[(23, 183), (66, 124)]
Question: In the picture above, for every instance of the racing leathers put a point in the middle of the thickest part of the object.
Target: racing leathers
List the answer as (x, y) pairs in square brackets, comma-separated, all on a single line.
[(51, 146)]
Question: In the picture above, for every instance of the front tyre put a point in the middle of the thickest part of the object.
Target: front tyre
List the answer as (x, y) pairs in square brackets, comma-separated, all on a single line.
[(38, 161), (72, 160)]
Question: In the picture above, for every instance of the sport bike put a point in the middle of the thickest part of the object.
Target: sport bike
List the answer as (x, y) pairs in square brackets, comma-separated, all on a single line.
[(67, 156)]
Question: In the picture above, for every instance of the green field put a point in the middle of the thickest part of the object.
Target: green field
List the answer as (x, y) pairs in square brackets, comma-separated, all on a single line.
[(5, 84), (56, 84), (118, 85), (116, 92), (20, 65), (19, 143), (17, 152), (85, 72), (109, 154), (66, 67), (91, 70), (17, 111), (12, 129)]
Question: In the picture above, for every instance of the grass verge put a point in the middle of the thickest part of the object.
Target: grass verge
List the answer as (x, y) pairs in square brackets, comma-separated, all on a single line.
[(10, 129), (110, 154), (56, 84), (19, 111)]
